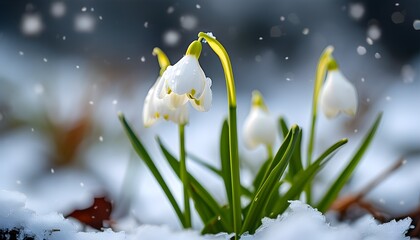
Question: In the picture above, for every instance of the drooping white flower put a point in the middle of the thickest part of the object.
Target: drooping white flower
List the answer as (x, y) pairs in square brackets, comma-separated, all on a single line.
[(185, 77), (156, 107), (186, 81), (260, 127), (338, 95)]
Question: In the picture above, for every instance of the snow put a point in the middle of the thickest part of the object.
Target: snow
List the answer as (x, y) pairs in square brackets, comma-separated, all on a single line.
[(316, 226), (416, 24), (15, 215)]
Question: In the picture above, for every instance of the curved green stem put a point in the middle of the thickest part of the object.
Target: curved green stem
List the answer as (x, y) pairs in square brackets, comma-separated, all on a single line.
[(227, 67), (233, 136), (162, 59), (319, 79), (184, 176)]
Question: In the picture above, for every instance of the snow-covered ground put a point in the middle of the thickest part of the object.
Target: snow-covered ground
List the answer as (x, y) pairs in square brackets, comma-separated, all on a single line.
[(299, 222)]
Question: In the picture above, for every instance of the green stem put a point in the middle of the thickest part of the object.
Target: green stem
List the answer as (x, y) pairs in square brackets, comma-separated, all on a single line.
[(319, 79), (184, 176), (233, 137)]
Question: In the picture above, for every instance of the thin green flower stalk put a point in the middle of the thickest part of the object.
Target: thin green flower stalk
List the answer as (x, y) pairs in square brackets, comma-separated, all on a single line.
[(321, 72), (184, 176), (220, 51), (164, 63), (195, 50), (319, 79)]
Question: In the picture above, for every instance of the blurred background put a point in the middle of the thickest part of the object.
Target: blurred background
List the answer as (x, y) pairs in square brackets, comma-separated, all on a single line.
[(67, 68)]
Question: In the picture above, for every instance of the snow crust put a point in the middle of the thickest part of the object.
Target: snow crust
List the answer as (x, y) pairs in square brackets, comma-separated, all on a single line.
[(300, 221)]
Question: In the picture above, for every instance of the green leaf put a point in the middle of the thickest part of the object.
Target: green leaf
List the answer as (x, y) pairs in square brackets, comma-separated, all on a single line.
[(207, 206), (245, 191), (263, 193), (204, 164), (260, 175), (295, 165), (225, 161), (268, 166), (345, 175), (274, 197), (143, 154), (283, 127), (304, 178)]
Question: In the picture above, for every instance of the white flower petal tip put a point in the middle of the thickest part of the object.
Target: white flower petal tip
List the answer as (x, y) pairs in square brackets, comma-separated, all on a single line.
[(259, 127), (338, 95), (203, 104), (186, 77)]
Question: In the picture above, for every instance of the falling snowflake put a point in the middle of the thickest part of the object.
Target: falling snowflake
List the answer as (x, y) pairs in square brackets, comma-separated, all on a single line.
[(58, 9), (84, 23), (416, 24), (374, 32), (31, 24), (188, 22), (171, 37), (170, 10), (361, 50), (356, 11)]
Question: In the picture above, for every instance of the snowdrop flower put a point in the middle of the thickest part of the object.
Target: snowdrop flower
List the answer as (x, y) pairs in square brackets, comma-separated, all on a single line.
[(186, 81), (260, 126), (156, 107), (338, 94)]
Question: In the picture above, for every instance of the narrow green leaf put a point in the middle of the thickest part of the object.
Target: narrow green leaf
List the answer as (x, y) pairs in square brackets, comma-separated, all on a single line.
[(274, 197), (261, 198), (225, 161), (295, 165), (198, 193), (345, 175), (260, 175), (304, 178), (245, 191), (283, 127), (204, 164), (268, 166), (143, 154)]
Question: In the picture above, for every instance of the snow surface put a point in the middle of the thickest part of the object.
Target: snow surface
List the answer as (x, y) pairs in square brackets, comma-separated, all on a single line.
[(300, 222)]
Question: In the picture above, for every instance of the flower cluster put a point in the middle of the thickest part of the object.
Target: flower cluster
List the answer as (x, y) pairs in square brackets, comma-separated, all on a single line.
[(179, 84)]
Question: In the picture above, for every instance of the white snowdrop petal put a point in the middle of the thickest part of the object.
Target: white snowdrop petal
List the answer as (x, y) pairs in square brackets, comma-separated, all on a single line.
[(338, 95), (148, 108), (175, 101), (186, 77), (259, 128), (203, 104), (179, 115)]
